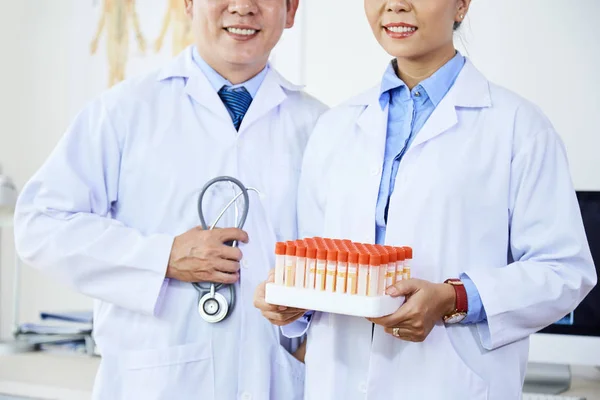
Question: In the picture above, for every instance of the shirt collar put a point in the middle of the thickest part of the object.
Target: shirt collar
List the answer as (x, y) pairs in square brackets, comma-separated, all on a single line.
[(217, 81), (436, 86)]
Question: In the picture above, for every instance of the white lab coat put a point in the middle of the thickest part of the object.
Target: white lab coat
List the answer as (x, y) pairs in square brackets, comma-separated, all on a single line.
[(102, 212), (486, 176)]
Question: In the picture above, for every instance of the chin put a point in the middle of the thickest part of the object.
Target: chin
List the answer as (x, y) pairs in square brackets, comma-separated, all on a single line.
[(241, 60), (408, 53)]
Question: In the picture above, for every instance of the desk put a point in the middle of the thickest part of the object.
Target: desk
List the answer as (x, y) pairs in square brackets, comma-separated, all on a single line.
[(48, 375), (71, 377), (585, 382)]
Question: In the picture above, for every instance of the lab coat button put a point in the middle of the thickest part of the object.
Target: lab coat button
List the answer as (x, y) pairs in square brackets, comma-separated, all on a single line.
[(246, 396), (244, 263), (363, 387), (374, 171)]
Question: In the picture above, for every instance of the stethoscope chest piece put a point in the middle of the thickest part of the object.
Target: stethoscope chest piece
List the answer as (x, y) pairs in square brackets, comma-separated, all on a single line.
[(213, 307)]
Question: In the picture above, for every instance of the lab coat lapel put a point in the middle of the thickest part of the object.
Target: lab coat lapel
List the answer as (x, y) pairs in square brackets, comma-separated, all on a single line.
[(270, 95), (370, 150), (471, 90), (441, 120), (373, 124), (197, 85)]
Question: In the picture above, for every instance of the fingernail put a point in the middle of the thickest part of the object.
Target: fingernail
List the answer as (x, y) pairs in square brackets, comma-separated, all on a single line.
[(392, 291), (282, 308)]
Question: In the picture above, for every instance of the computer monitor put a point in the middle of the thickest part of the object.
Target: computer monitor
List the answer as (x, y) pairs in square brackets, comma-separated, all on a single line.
[(575, 339)]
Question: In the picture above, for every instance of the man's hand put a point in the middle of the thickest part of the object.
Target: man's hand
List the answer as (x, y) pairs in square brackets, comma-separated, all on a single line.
[(426, 303), (277, 315), (201, 256)]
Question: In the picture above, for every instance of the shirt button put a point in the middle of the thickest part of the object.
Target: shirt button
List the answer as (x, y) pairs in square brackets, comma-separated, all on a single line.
[(418, 94), (362, 387), (246, 396)]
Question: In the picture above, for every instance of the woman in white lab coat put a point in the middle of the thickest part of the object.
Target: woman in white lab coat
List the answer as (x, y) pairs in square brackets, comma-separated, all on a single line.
[(476, 180), (113, 211)]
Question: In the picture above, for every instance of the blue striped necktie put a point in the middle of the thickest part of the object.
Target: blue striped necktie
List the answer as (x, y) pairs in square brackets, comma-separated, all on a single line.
[(237, 102)]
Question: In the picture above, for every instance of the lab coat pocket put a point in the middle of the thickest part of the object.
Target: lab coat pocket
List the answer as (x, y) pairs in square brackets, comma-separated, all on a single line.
[(287, 377), (179, 372), (477, 387)]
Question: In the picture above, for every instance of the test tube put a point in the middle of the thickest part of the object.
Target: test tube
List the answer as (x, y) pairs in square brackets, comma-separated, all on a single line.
[(321, 268), (400, 263), (342, 269), (352, 282), (311, 264), (408, 254), (280, 250), (290, 263), (363, 271), (385, 261), (332, 254), (300, 264), (374, 268), (390, 276)]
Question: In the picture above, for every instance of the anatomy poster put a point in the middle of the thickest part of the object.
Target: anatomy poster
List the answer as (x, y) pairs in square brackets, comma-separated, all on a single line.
[(178, 24), (118, 21)]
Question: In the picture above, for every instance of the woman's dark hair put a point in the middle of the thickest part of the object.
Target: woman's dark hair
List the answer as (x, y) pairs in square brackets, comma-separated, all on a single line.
[(457, 25)]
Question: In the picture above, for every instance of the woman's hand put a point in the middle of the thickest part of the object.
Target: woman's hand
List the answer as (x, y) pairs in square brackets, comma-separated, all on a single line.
[(277, 315), (426, 303)]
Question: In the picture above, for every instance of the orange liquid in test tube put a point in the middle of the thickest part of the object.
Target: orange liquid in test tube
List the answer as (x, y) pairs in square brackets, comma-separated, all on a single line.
[(385, 260), (408, 254), (290, 263), (342, 269), (321, 268), (352, 281), (400, 263), (390, 276), (332, 255), (311, 264), (280, 250), (300, 264), (374, 268), (363, 270)]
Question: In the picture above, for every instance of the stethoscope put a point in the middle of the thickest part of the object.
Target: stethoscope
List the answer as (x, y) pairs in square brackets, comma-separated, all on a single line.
[(213, 306)]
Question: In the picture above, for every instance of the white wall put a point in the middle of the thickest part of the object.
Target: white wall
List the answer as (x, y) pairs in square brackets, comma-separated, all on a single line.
[(544, 49), (34, 114)]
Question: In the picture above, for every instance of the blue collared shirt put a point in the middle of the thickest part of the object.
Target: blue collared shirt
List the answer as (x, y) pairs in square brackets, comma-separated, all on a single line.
[(408, 112), (217, 81)]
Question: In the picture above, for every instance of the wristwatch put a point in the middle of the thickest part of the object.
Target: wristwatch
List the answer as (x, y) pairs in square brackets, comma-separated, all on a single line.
[(462, 303)]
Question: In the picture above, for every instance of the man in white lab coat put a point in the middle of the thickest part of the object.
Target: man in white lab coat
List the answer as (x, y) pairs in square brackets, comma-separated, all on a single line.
[(113, 211)]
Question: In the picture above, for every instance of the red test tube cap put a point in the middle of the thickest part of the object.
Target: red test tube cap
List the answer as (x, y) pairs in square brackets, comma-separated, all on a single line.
[(400, 253), (393, 253), (332, 254), (291, 249), (375, 259), (300, 249), (280, 248)]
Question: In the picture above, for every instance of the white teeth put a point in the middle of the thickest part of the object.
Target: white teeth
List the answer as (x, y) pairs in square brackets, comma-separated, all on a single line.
[(401, 29), (238, 31)]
